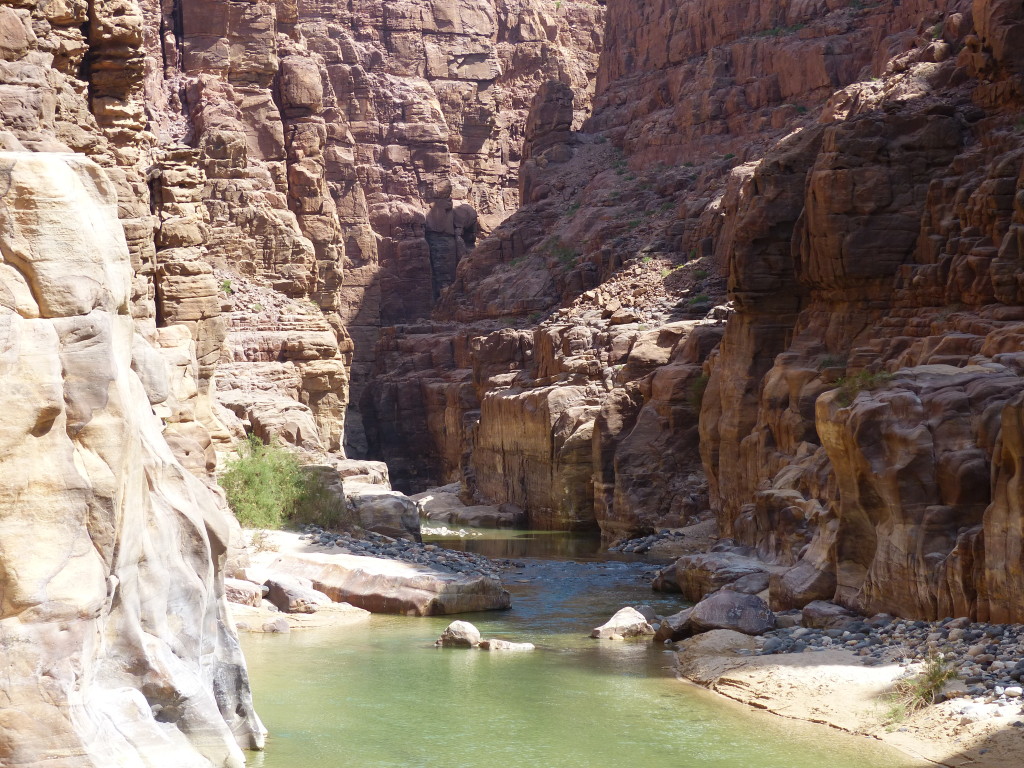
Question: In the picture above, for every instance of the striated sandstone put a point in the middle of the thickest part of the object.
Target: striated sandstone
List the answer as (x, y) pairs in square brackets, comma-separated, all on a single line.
[(120, 600)]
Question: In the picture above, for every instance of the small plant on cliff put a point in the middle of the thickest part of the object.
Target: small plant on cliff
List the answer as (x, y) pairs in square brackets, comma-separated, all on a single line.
[(697, 388), (700, 298), (916, 692), (700, 274), (565, 254), (861, 381), (831, 361), (225, 285)]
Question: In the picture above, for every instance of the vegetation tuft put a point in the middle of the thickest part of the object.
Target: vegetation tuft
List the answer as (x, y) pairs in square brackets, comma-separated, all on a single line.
[(225, 286), (916, 692), (697, 388), (267, 487), (862, 381), (831, 361)]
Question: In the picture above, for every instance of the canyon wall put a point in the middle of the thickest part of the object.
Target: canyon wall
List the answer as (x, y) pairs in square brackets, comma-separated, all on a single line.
[(891, 235), (208, 209), (847, 177), (117, 639)]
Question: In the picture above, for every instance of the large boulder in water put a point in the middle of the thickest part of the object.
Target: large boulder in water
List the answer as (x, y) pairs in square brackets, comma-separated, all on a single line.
[(726, 609), (459, 634), (628, 622)]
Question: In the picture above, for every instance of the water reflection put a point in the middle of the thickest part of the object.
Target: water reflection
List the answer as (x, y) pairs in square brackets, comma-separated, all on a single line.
[(520, 544)]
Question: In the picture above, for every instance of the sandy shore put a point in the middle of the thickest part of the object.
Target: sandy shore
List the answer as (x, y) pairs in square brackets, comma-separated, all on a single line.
[(835, 688)]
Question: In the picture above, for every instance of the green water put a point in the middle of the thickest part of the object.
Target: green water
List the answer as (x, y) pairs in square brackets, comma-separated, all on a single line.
[(379, 695)]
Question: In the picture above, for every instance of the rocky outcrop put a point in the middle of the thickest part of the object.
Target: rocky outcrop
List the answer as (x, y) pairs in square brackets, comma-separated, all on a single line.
[(390, 586), (119, 603), (871, 378)]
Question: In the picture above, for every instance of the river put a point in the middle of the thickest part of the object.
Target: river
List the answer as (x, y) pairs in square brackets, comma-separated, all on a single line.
[(380, 695)]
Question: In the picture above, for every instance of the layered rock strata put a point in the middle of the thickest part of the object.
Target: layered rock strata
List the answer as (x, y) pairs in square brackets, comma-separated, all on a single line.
[(890, 235), (870, 255), (118, 605)]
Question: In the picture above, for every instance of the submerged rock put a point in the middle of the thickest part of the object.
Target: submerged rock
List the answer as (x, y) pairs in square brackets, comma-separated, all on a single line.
[(494, 644), (627, 622), (459, 634)]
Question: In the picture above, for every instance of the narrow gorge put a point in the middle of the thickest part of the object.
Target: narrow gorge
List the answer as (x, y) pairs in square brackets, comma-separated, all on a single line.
[(734, 286)]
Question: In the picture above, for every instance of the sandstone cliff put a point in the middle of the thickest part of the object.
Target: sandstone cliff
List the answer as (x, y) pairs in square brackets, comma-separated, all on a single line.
[(853, 171), (117, 642), (185, 187)]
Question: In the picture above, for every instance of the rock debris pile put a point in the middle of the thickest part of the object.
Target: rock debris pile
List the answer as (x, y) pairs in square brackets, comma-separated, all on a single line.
[(988, 659), (431, 555)]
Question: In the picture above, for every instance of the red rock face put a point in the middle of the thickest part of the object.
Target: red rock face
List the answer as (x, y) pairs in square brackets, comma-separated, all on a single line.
[(899, 272)]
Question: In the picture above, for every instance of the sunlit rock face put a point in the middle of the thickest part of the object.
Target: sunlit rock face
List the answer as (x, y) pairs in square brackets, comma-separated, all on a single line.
[(117, 649)]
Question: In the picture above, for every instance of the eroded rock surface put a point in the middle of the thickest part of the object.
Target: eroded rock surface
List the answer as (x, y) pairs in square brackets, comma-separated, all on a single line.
[(119, 601), (390, 586)]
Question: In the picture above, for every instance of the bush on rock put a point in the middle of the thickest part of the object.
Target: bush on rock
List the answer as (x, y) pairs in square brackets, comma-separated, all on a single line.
[(266, 486)]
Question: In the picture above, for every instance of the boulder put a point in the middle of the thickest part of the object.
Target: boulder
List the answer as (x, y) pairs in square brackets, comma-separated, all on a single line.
[(731, 610), (364, 471), (648, 613), (717, 642), (392, 586), (459, 634), (627, 622), (443, 505), (822, 614), (674, 627), (243, 592), (377, 508), (504, 645), (698, 575), (294, 595)]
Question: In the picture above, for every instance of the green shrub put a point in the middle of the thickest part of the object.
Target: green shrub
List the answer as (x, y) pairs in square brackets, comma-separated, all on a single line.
[(566, 254), (916, 692), (700, 274), (861, 381), (700, 298), (225, 285), (831, 361), (266, 487), (697, 388)]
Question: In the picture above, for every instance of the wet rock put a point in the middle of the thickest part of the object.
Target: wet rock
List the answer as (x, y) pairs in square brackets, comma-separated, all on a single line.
[(504, 645), (459, 634), (627, 622)]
